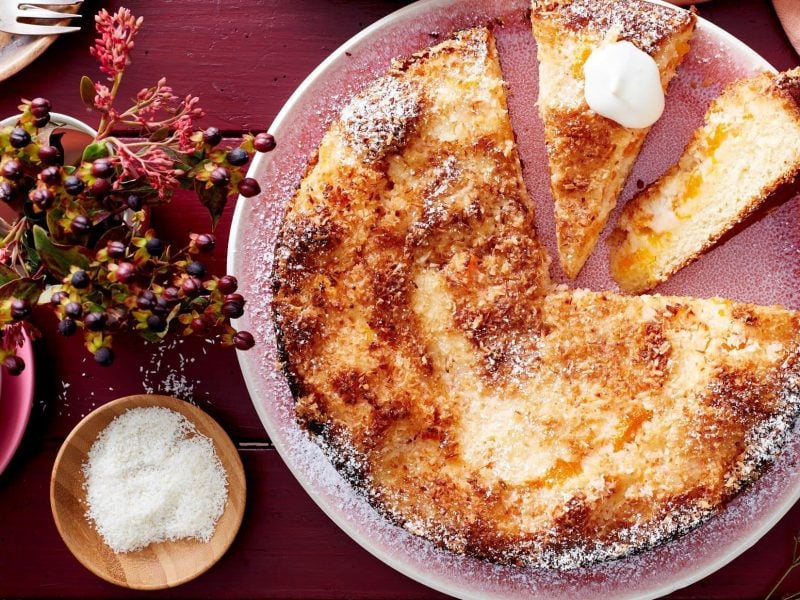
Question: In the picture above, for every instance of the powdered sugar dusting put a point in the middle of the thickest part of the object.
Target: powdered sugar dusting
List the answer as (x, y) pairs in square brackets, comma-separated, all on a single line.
[(762, 261), (379, 119)]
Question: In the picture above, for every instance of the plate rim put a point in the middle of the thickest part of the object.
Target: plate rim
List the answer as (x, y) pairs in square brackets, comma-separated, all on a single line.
[(32, 50), (250, 375), (28, 53), (26, 381)]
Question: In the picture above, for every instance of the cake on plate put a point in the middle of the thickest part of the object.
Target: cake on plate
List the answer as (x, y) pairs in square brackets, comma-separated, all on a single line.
[(471, 401)]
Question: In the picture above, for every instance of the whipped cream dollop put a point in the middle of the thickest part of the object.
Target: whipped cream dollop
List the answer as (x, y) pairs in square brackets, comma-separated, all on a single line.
[(623, 84)]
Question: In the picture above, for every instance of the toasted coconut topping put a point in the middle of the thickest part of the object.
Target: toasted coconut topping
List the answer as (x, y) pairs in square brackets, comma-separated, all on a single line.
[(642, 23)]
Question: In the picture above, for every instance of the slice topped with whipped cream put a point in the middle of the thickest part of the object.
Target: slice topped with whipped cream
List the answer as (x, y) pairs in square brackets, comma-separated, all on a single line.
[(747, 148), (591, 155)]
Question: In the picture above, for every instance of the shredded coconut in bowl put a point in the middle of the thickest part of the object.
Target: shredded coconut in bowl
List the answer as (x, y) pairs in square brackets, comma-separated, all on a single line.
[(152, 477)]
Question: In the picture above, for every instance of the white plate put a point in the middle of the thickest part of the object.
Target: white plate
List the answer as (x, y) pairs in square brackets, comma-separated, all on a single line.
[(18, 51), (756, 265)]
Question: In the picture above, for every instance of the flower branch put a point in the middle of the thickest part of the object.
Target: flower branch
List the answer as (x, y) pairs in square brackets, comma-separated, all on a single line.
[(80, 244)]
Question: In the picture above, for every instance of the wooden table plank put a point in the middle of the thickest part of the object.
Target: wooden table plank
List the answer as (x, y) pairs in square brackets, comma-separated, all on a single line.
[(287, 548), (244, 58)]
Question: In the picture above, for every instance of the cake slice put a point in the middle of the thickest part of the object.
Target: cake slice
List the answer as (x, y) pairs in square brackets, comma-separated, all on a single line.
[(591, 156), (748, 147)]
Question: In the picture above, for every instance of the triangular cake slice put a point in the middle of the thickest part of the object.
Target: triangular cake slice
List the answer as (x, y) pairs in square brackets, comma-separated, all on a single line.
[(470, 402), (591, 156), (748, 147)]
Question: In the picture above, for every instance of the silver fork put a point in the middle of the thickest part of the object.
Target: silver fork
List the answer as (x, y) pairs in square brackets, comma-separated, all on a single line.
[(14, 10)]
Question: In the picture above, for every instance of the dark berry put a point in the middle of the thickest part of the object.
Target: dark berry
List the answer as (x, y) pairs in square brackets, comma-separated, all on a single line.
[(40, 122), (14, 365), (19, 138), (100, 188), (220, 176), (227, 284), (102, 168), (80, 225), (40, 107), (104, 356), (237, 157), (80, 279), (59, 297), (134, 202), (154, 247), (171, 295), (73, 185), (74, 310), (205, 242), (67, 326), (233, 310), (20, 309), (161, 307), (6, 192), (191, 286), (95, 321), (146, 300), (126, 272), (49, 155), (43, 198), (12, 169), (196, 269), (243, 340), (51, 175), (264, 142), (116, 249), (212, 136), (199, 324), (248, 187), (156, 323)]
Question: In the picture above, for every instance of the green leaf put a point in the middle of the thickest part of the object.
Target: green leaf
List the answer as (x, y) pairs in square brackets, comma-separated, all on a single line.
[(159, 135), (94, 151), (7, 274), (54, 215), (87, 91), (213, 198), (23, 289), (150, 336), (57, 258)]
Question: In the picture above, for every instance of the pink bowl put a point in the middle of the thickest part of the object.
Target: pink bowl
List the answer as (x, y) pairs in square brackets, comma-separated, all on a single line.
[(16, 400)]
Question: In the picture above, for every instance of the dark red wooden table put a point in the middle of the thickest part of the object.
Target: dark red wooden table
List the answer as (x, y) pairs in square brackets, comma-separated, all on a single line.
[(244, 58)]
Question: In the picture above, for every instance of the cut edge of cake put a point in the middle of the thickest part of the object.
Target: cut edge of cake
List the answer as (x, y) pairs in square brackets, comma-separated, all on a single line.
[(746, 151)]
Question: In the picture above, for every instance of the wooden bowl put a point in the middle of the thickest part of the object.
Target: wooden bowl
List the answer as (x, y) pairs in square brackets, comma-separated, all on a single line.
[(158, 566)]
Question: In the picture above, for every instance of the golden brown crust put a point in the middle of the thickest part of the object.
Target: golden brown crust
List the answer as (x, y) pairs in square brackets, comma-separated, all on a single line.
[(644, 24), (472, 404)]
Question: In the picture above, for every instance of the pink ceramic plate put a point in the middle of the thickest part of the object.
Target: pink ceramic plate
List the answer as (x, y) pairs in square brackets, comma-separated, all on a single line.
[(758, 265), (16, 399)]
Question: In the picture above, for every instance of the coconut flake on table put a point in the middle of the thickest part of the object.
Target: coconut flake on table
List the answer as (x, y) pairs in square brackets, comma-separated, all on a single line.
[(151, 477)]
